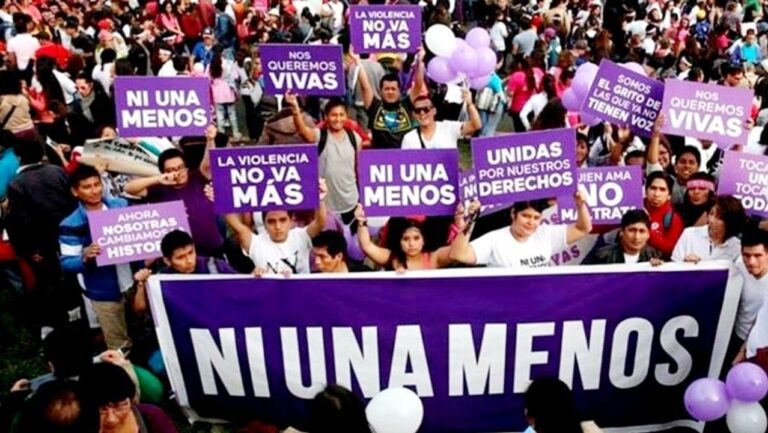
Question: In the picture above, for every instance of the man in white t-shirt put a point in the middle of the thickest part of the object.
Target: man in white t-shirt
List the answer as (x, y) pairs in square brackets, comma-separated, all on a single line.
[(283, 249), (23, 46), (525, 243), (444, 134), (752, 317)]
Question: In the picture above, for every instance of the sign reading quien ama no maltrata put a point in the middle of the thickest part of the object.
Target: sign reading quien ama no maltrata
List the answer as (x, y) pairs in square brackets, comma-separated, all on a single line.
[(376, 28), (162, 106), (265, 178), (304, 69)]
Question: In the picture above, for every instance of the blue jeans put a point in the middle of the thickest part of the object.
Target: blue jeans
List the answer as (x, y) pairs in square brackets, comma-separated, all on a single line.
[(491, 120)]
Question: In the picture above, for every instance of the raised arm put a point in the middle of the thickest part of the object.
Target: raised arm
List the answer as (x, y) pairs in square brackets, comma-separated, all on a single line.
[(366, 89), (442, 257), (652, 154), (139, 187), (419, 83), (210, 143), (307, 133), (242, 232), (474, 123), (461, 251), (380, 256), (316, 226), (583, 224)]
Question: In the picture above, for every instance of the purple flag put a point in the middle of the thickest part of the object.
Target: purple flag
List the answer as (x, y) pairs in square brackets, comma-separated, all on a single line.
[(376, 28), (468, 342), (265, 178), (745, 176), (409, 182), (624, 97), (525, 166), (611, 192), (304, 69), (707, 111), (134, 233), (165, 106)]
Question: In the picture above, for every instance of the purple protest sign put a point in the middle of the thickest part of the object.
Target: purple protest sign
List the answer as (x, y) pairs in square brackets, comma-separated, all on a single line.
[(525, 166), (304, 69), (707, 111), (134, 233), (624, 97), (265, 178), (409, 182), (468, 185), (468, 342), (745, 176), (164, 106), (610, 191), (376, 28)]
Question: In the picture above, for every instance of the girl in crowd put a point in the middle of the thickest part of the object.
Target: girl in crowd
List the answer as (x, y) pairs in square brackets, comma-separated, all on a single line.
[(536, 104), (699, 199), (551, 408), (522, 85), (718, 240), (405, 243)]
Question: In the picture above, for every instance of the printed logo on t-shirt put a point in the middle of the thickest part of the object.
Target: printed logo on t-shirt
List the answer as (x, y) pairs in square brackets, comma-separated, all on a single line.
[(274, 267), (534, 262), (392, 121)]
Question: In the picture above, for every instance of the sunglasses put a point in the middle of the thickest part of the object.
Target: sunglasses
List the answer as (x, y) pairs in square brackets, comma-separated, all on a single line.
[(422, 110)]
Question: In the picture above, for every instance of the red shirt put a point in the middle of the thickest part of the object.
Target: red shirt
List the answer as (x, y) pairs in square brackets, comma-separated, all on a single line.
[(663, 238), (55, 52)]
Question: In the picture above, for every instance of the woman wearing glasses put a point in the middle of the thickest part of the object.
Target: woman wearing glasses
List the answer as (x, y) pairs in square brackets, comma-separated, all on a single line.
[(444, 134)]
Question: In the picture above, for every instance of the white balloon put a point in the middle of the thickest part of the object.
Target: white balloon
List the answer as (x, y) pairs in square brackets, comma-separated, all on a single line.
[(440, 40), (745, 417), (395, 410)]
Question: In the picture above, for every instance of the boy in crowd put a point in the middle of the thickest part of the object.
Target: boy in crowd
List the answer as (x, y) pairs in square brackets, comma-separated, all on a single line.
[(330, 250), (632, 245)]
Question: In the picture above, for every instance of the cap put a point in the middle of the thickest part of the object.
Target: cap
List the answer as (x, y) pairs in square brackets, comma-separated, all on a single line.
[(104, 24), (105, 36), (208, 31), (597, 3)]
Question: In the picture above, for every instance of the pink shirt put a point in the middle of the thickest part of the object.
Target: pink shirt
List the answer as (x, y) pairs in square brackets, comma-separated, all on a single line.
[(518, 88)]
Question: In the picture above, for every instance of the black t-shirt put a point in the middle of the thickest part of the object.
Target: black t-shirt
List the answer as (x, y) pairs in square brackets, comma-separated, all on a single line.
[(389, 122)]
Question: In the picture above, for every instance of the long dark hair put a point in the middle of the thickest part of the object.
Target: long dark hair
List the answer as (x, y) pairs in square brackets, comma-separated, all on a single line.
[(552, 116), (216, 70), (337, 410), (550, 403), (396, 228), (48, 81)]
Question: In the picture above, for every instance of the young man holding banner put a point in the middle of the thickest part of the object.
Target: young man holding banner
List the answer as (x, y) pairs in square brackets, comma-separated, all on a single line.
[(444, 134), (525, 243), (283, 249), (632, 246)]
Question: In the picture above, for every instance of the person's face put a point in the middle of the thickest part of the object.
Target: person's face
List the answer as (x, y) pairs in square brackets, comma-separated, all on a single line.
[(168, 7), (164, 56), (336, 118), (525, 222), (412, 242), (113, 415), (183, 259), (71, 32), (634, 237), (636, 160), (581, 152), (715, 223), (685, 166), (734, 79), (755, 260), (663, 156), (424, 112), (657, 193), (89, 191), (178, 169), (208, 40), (325, 262), (278, 224), (108, 132), (750, 39), (84, 88), (697, 195), (256, 69), (390, 91)]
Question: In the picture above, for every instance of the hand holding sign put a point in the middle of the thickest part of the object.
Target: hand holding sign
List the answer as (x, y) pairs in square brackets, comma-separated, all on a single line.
[(291, 100), (323, 189), (91, 252)]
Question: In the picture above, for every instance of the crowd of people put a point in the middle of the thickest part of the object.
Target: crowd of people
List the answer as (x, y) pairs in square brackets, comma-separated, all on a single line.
[(60, 59)]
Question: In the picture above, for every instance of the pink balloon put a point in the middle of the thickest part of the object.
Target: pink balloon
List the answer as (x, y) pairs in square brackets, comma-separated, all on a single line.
[(478, 83), (463, 59), (635, 67), (478, 38), (486, 62), (439, 69), (570, 101)]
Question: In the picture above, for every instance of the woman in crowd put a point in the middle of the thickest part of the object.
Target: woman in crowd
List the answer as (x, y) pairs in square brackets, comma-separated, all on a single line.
[(699, 199), (523, 84), (168, 21), (551, 408), (536, 104), (719, 239)]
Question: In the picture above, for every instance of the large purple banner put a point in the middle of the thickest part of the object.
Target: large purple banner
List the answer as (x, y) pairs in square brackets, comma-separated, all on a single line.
[(265, 178), (134, 233), (152, 106), (611, 192), (467, 341), (525, 166), (409, 182), (624, 97), (375, 28), (304, 69), (745, 176), (707, 111)]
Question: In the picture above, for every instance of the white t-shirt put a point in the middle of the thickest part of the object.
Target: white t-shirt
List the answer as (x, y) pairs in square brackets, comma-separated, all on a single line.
[(631, 258), (291, 255), (500, 249), (758, 336), (695, 240), (446, 136), (23, 46), (752, 295), (167, 70)]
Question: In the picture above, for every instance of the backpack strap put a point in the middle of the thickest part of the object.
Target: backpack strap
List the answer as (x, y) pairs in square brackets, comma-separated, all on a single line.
[(212, 268), (421, 140), (7, 117), (667, 222), (323, 140)]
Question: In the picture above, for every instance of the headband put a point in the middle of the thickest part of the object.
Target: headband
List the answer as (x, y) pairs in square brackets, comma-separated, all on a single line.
[(700, 183)]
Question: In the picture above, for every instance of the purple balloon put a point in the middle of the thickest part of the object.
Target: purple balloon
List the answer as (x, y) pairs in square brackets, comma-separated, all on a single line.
[(747, 382), (635, 67), (439, 69), (570, 101), (478, 83), (463, 59), (485, 64), (583, 79), (478, 38), (706, 399), (589, 120)]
